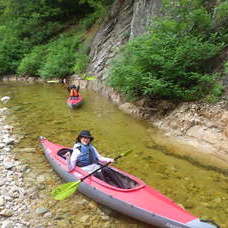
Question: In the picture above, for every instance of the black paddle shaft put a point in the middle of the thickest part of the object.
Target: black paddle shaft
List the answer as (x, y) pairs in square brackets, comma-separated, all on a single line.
[(102, 166)]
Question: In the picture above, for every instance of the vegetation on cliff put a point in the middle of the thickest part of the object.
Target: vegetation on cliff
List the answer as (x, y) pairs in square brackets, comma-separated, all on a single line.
[(46, 38), (171, 60)]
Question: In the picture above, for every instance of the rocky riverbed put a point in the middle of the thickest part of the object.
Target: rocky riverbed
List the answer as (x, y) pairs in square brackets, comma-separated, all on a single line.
[(25, 200), (13, 199)]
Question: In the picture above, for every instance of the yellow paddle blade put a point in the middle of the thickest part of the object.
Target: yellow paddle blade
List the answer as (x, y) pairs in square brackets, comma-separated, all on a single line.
[(90, 78), (126, 153), (63, 191), (53, 81)]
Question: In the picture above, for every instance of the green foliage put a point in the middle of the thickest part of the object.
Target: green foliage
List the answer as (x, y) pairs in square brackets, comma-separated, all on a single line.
[(170, 62), (81, 63), (11, 49), (55, 59), (26, 24), (58, 63), (226, 67), (60, 58), (214, 94), (221, 12), (165, 64), (82, 58), (31, 63), (189, 14), (88, 21), (221, 21), (100, 9)]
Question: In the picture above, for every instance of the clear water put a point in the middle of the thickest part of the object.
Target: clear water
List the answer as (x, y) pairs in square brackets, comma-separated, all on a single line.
[(40, 109)]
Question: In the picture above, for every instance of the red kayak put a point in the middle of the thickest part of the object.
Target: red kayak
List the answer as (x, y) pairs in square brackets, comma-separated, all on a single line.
[(74, 102), (137, 200)]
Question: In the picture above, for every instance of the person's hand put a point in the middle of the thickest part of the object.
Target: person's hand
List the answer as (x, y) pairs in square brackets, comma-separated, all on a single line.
[(111, 160)]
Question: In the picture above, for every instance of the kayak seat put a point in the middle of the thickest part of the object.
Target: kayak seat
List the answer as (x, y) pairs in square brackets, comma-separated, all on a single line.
[(116, 179), (63, 151)]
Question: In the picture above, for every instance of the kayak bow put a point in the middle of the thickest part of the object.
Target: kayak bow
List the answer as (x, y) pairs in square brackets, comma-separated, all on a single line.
[(74, 102)]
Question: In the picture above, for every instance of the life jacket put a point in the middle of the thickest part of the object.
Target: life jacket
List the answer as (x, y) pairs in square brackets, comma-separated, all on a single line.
[(87, 155), (74, 93)]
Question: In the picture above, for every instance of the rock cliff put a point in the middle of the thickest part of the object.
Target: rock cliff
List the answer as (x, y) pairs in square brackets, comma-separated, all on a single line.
[(126, 20)]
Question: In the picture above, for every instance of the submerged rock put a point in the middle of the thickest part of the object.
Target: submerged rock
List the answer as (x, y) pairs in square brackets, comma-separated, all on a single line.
[(5, 99)]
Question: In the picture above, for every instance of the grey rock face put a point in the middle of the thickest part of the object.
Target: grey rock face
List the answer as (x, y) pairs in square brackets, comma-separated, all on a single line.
[(127, 19), (144, 11)]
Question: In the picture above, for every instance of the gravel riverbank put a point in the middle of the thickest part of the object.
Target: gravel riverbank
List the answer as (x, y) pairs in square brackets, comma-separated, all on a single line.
[(25, 200), (13, 199)]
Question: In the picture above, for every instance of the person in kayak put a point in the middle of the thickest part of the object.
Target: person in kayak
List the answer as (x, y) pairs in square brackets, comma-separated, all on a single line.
[(86, 156), (74, 91)]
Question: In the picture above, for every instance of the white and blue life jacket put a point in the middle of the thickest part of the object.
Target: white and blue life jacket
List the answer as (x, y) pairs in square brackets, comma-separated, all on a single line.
[(87, 155)]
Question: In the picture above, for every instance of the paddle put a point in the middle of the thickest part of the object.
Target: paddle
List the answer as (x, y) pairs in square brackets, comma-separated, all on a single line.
[(65, 190), (53, 81)]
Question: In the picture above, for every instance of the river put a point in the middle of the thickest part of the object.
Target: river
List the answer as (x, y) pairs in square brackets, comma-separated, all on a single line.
[(40, 109)]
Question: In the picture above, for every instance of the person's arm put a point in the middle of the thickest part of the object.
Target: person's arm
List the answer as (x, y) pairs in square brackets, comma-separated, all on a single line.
[(101, 158), (71, 159)]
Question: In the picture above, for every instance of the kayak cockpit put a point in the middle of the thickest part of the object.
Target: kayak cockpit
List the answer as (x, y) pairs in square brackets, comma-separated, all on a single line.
[(109, 175), (116, 179)]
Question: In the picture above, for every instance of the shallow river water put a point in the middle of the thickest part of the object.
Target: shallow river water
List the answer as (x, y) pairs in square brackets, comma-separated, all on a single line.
[(40, 109)]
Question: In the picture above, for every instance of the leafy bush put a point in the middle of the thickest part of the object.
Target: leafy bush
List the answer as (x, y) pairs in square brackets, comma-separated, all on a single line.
[(88, 21), (165, 65), (221, 21), (25, 24), (60, 58), (171, 60), (31, 63), (221, 12), (11, 50), (81, 63), (190, 13), (81, 57), (226, 67)]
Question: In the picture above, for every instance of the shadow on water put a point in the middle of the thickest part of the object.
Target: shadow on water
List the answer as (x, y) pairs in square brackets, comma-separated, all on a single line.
[(40, 109), (189, 159)]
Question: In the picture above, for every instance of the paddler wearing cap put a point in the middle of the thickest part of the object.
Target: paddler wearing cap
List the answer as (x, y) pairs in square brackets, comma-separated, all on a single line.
[(86, 156)]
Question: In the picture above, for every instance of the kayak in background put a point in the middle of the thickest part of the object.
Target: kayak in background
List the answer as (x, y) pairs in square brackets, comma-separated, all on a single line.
[(136, 199), (74, 102)]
